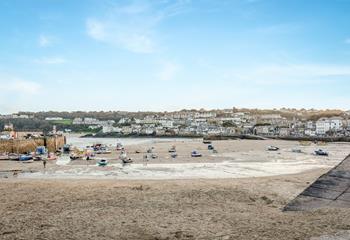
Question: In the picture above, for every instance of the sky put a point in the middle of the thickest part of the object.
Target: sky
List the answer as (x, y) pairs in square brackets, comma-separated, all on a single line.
[(165, 55)]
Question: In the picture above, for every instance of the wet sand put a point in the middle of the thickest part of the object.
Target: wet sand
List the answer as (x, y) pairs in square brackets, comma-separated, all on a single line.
[(234, 159)]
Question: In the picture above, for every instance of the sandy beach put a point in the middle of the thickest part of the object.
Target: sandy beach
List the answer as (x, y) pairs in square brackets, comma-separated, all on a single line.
[(244, 206), (184, 209)]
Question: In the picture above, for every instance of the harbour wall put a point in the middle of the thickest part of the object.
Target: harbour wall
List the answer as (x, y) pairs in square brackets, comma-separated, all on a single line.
[(52, 143)]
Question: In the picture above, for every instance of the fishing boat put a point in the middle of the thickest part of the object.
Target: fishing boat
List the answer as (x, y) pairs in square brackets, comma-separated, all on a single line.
[(103, 151), (13, 156), (172, 149), (123, 156), (119, 146), (102, 162), (272, 148), (41, 150), (26, 157), (321, 152), (4, 157), (195, 154), (150, 150), (75, 156), (127, 160), (66, 148)]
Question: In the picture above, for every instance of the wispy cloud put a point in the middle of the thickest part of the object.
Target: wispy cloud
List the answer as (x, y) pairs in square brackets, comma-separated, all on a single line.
[(133, 26), (45, 40), (50, 60), (20, 86), (168, 71)]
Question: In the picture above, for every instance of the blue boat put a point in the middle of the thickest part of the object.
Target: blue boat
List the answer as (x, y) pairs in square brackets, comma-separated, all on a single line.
[(25, 157), (41, 150)]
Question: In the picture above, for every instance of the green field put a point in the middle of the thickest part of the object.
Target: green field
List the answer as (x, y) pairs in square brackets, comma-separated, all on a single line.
[(63, 121)]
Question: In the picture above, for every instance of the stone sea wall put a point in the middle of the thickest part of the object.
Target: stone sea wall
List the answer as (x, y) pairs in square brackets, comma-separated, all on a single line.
[(30, 145)]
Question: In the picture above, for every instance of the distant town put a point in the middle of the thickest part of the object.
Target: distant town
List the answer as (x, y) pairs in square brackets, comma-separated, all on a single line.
[(282, 123)]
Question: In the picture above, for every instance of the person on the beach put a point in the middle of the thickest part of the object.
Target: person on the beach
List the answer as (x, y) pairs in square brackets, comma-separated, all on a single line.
[(44, 163)]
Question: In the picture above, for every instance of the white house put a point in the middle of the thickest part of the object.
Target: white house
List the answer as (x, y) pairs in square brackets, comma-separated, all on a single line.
[(77, 121), (324, 125), (53, 118)]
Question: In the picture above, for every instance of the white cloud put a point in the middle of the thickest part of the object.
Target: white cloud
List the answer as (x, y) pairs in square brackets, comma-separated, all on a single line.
[(45, 41), (20, 86), (50, 60), (133, 26), (168, 71)]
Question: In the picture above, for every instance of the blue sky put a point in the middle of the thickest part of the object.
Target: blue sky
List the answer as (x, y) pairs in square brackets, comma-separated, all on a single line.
[(168, 55)]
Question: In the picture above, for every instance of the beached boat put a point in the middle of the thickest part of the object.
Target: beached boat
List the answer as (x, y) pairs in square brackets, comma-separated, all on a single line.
[(4, 157), (74, 156), (206, 141), (321, 152), (272, 148), (41, 150), (127, 160), (172, 149), (195, 154), (13, 156), (102, 162), (173, 154), (103, 151), (26, 157), (210, 147), (67, 148), (150, 150), (123, 156), (119, 147)]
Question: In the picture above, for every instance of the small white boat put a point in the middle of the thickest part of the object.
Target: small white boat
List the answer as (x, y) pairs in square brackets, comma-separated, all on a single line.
[(195, 154), (321, 152), (4, 157), (272, 148), (172, 149)]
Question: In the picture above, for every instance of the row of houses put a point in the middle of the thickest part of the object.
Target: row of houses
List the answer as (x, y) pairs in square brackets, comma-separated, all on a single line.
[(334, 126), (92, 121), (223, 122)]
